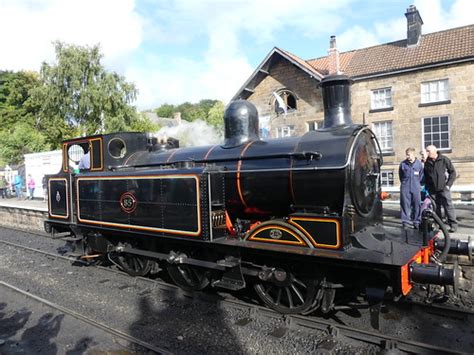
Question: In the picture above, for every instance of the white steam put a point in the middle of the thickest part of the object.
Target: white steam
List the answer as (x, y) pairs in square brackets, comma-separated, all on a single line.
[(191, 134)]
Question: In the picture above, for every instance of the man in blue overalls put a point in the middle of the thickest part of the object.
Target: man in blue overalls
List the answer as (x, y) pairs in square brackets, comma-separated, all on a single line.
[(411, 175)]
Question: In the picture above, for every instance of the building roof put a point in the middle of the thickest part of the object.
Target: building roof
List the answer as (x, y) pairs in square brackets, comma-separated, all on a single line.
[(263, 70), (438, 48), (453, 45)]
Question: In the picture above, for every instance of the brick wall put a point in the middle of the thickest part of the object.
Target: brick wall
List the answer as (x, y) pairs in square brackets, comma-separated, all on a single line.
[(284, 75), (406, 114)]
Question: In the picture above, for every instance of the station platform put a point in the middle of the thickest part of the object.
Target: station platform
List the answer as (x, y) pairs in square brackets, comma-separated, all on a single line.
[(35, 204)]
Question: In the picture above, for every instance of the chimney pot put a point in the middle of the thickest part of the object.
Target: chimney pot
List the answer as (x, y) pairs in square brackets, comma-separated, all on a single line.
[(414, 23), (333, 57)]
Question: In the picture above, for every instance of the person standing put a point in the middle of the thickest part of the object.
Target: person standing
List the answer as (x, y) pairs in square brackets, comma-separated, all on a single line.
[(31, 186), (423, 155), (18, 184), (3, 186), (410, 173), (44, 184), (439, 177)]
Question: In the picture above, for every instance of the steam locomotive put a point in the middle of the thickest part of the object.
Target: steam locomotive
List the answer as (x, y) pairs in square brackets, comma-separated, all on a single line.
[(299, 218)]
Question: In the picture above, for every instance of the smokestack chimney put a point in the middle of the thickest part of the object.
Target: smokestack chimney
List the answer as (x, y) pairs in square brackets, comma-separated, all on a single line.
[(336, 100), (240, 123), (177, 118), (333, 57), (414, 23)]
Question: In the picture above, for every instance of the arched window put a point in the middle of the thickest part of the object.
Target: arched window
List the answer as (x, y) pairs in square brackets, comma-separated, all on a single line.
[(284, 101)]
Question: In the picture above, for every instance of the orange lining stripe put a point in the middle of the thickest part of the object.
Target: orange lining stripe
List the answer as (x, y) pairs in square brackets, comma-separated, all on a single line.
[(65, 158), (144, 177), (92, 154), (171, 155), (299, 242), (67, 199), (290, 172), (209, 152), (293, 220), (239, 165)]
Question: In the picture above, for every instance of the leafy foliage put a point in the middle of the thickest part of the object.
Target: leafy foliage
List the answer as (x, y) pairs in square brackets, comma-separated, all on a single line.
[(71, 97), (215, 116), (210, 111), (20, 140), (78, 90)]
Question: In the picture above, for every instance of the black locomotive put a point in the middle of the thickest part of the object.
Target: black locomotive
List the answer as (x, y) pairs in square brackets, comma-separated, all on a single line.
[(299, 218)]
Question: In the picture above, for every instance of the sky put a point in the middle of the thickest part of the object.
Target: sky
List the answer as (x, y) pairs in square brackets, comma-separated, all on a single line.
[(187, 50)]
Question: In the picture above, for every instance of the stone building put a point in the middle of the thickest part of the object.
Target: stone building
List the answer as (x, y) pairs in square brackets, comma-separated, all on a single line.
[(412, 92)]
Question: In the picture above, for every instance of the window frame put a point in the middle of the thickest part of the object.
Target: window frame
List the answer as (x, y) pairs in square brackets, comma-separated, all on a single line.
[(291, 131), (424, 144), (437, 81), (373, 107), (314, 123), (388, 178), (385, 150), (283, 93)]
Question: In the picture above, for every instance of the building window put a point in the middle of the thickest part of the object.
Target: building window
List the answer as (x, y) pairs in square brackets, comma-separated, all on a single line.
[(285, 131), (285, 101), (313, 125), (381, 98), (434, 91), (436, 132), (383, 131), (386, 177)]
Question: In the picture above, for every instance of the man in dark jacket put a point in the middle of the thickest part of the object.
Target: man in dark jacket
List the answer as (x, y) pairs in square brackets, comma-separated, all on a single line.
[(439, 177), (410, 173)]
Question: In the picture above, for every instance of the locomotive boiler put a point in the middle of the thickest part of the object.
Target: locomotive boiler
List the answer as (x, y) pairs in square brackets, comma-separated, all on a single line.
[(299, 218)]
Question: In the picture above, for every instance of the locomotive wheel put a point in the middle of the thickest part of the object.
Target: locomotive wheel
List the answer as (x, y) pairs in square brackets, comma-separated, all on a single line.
[(188, 277), (134, 265), (292, 296)]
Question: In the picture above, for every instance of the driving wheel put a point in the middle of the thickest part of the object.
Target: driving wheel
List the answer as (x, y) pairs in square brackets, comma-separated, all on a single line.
[(188, 277), (286, 293)]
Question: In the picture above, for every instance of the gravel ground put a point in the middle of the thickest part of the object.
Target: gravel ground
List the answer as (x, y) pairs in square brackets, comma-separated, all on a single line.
[(30, 327), (183, 325), (166, 319)]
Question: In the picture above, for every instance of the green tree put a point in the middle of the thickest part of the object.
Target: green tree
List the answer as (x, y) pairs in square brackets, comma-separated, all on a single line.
[(21, 139), (165, 110), (215, 117), (80, 97), (15, 103), (141, 123)]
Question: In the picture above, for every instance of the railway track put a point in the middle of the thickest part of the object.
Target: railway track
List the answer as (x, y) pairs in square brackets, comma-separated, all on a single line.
[(142, 345), (331, 330)]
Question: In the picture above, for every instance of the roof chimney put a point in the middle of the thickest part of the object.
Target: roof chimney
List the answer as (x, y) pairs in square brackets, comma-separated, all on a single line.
[(414, 23), (333, 57), (177, 118)]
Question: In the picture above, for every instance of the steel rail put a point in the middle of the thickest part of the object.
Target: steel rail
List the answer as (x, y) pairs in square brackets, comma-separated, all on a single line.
[(365, 336), (161, 284), (87, 320)]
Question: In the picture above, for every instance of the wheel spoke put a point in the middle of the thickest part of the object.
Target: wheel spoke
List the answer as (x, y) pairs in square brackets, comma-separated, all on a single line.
[(299, 282), (135, 264), (278, 296), (188, 277), (298, 293), (290, 299), (296, 296)]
